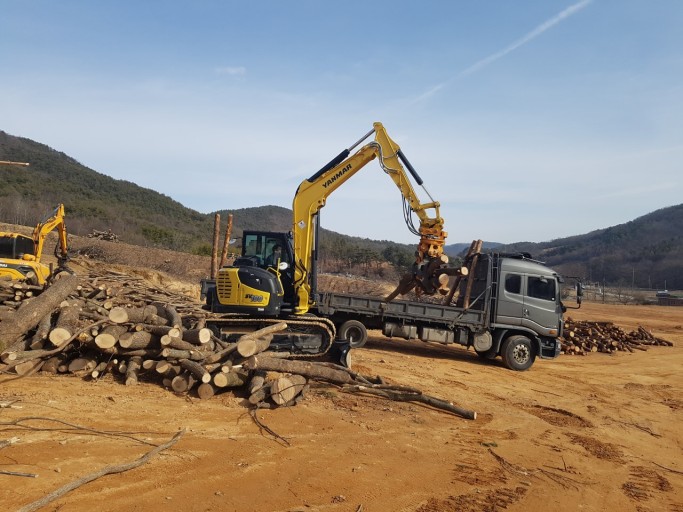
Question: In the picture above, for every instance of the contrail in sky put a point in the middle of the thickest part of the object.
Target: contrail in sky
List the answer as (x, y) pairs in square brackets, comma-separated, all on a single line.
[(543, 27)]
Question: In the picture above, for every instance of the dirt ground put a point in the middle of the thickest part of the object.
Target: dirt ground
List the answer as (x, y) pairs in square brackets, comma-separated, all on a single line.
[(600, 432)]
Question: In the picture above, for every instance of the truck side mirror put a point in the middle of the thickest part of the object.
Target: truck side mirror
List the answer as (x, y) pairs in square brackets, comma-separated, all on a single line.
[(579, 292)]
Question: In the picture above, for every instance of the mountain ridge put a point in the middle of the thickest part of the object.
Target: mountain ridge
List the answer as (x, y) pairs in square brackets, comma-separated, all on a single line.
[(646, 251)]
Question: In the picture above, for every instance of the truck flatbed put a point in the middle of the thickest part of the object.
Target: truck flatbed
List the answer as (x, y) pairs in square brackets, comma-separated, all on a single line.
[(333, 305)]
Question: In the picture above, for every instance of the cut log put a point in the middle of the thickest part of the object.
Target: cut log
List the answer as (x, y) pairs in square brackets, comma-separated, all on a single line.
[(108, 336), (66, 325), (197, 370), (206, 390), (197, 336), (134, 365), (82, 364), (28, 367), (226, 242), (52, 364), (174, 319), (161, 330), (230, 380), (183, 383), (221, 355), (42, 331), (172, 353), (163, 367), (141, 339), (34, 310), (257, 381), (285, 389), (305, 368), (248, 346), (177, 343), (260, 394)]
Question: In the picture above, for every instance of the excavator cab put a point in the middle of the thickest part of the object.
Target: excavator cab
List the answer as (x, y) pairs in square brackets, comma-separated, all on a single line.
[(17, 258), (20, 255), (15, 246), (255, 283)]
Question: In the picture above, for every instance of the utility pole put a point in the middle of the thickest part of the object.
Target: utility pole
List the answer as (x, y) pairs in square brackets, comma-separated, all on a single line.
[(633, 279)]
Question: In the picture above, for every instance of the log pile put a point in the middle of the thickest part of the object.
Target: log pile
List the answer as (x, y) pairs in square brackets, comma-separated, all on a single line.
[(103, 235), (583, 337), (118, 325), (12, 292)]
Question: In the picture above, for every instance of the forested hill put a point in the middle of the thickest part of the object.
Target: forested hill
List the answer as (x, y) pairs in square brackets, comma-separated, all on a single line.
[(646, 251), (141, 216)]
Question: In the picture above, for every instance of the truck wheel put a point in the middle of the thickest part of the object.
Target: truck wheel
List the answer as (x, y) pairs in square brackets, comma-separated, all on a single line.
[(353, 332), (518, 353)]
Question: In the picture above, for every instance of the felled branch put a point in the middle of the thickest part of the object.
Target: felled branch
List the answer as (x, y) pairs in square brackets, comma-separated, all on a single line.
[(108, 470)]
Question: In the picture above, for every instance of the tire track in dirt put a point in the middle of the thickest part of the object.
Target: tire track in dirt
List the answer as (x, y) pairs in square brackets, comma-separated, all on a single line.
[(599, 449), (643, 482), (489, 501), (557, 417)]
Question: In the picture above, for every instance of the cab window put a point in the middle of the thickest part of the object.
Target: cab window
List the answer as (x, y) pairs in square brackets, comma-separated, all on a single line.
[(513, 283), (541, 288)]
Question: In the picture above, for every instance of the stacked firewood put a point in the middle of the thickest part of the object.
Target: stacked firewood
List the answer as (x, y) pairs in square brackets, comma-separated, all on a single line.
[(583, 337)]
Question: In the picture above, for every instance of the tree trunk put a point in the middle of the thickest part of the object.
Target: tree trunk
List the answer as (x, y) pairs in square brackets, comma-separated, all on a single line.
[(308, 369), (197, 336), (135, 340), (197, 370), (226, 242), (285, 389), (248, 346), (65, 327), (108, 336), (230, 380), (214, 246), (134, 365), (206, 390), (33, 312)]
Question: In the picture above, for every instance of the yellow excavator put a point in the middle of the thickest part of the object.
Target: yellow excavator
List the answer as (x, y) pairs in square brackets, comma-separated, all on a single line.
[(20, 255), (275, 277)]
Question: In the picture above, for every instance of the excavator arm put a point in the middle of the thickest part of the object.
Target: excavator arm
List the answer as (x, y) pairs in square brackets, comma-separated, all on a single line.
[(55, 221), (313, 193)]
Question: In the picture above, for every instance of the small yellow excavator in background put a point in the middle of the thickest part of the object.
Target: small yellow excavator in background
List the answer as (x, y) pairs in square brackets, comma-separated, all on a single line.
[(20, 255)]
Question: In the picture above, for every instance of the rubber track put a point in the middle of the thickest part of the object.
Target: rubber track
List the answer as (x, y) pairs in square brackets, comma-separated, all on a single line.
[(324, 325)]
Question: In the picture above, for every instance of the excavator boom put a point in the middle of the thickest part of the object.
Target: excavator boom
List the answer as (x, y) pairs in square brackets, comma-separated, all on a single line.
[(40, 232), (313, 193)]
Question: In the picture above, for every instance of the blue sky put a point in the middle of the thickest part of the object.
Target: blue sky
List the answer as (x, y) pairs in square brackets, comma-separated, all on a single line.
[(527, 120)]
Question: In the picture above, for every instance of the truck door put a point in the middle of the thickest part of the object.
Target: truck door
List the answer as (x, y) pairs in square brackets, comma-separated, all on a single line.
[(510, 299), (541, 304)]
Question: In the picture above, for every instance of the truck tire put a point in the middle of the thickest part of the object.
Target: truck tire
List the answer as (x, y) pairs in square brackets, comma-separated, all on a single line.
[(518, 353), (353, 332)]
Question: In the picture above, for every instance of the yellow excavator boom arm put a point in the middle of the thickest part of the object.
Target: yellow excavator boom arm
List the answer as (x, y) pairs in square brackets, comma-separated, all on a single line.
[(313, 193), (55, 221)]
